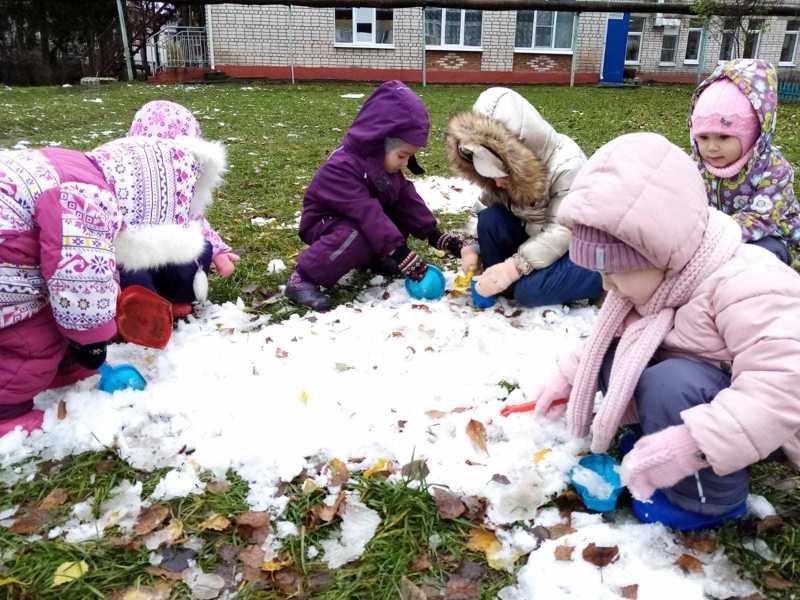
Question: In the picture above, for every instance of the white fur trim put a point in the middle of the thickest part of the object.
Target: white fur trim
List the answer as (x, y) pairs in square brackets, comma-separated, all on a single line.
[(213, 162), (151, 246), (200, 285)]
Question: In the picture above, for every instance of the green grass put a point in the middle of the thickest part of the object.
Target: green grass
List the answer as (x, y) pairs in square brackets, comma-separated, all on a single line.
[(277, 135)]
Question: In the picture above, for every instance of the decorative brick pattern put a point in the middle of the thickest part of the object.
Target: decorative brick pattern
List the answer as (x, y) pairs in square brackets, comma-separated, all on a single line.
[(438, 60), (542, 63)]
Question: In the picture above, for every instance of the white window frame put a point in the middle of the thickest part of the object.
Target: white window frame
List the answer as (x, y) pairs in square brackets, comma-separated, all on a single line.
[(796, 34), (460, 45), (690, 29), (545, 49), (640, 35), (732, 32), (356, 44), (669, 31), (757, 33)]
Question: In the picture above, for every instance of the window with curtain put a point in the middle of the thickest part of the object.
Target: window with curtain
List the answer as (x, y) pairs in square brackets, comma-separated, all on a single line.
[(363, 26), (693, 38), (634, 46), (753, 38), (544, 30), (453, 28), (726, 48), (789, 48), (669, 45)]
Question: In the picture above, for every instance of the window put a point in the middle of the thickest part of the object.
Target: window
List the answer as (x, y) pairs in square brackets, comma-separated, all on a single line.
[(453, 27), (728, 38), (363, 26), (693, 41), (789, 49), (635, 29), (753, 37), (544, 30), (669, 44)]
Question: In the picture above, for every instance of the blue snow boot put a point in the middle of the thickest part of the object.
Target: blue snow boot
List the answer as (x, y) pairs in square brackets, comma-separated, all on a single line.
[(305, 293), (660, 510)]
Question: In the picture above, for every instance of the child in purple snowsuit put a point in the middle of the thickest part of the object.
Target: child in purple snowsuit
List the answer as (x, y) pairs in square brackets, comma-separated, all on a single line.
[(732, 125), (67, 220), (178, 283), (359, 208)]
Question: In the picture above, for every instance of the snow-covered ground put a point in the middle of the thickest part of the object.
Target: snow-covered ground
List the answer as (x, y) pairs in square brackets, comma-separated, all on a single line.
[(384, 378)]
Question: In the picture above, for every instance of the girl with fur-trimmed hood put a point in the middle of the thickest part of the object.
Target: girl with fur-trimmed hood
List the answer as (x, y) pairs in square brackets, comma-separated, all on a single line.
[(68, 219), (525, 168)]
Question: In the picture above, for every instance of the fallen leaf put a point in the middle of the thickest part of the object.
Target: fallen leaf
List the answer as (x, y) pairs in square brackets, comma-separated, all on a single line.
[(409, 591), (449, 505), (428, 349), (319, 582), (105, 465), (249, 288), (460, 588), (477, 434), (215, 522), (415, 470), (397, 334), (689, 564), (564, 552), (150, 518), (600, 556), (309, 486), (54, 499), (228, 552), (472, 463), (169, 535), (541, 532), (164, 573), (68, 572), (303, 397), (482, 540), (422, 307), (540, 454), (401, 424), (287, 581), (8, 581), (475, 508), (218, 487), (342, 367), (253, 518), (61, 412), (337, 473), (705, 543), (160, 591), (631, 592), (270, 566), (461, 409), (382, 467), (203, 586), (774, 582), (435, 414), (421, 563), (281, 353), (29, 520), (769, 524), (501, 479), (560, 529), (175, 559), (252, 556)]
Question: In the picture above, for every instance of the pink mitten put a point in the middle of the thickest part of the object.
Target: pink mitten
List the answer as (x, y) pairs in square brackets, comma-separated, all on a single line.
[(469, 259), (557, 388), (224, 262), (661, 460), (497, 278)]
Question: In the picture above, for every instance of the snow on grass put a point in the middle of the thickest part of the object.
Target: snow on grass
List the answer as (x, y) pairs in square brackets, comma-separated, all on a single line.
[(447, 194)]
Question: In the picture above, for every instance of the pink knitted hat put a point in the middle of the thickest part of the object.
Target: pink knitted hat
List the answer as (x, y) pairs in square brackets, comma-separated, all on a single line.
[(596, 250), (724, 109)]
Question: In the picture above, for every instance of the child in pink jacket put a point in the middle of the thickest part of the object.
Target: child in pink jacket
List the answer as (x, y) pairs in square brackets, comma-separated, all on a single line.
[(698, 339), (177, 283)]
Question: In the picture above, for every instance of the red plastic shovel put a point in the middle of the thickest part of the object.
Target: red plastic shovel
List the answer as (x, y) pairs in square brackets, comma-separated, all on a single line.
[(525, 407), (144, 317)]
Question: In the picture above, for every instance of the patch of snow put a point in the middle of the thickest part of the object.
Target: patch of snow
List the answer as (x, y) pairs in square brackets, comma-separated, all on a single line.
[(359, 524), (276, 266), (760, 507), (594, 483), (352, 96), (448, 194)]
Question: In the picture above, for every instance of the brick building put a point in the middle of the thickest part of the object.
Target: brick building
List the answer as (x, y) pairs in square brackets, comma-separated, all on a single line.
[(471, 46)]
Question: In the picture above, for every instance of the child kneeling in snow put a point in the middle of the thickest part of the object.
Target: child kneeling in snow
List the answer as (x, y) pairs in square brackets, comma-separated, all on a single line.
[(698, 339), (359, 208), (179, 284), (67, 219)]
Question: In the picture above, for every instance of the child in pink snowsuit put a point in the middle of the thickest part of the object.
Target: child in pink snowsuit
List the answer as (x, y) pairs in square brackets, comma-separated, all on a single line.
[(169, 120), (67, 220), (698, 339)]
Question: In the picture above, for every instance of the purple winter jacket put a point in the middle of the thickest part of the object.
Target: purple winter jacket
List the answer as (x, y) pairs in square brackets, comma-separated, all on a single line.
[(353, 184)]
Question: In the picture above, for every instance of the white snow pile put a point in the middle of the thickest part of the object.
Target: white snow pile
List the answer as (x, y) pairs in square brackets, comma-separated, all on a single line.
[(448, 194)]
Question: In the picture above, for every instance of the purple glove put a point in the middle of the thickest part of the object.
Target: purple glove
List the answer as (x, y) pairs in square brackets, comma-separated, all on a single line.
[(661, 460)]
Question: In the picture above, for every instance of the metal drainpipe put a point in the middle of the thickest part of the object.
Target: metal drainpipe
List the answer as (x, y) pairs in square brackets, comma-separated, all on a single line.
[(124, 31), (291, 44), (573, 62), (424, 52), (210, 37), (701, 54)]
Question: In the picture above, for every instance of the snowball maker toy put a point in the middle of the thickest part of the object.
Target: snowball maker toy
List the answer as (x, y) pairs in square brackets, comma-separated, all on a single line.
[(604, 466), (121, 377), (478, 300), (430, 287)]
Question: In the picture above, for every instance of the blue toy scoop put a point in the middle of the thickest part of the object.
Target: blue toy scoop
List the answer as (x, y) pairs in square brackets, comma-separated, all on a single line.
[(121, 377), (430, 287), (597, 482)]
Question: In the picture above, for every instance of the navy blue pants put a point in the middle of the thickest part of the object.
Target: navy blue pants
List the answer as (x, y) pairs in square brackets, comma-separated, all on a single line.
[(775, 245), (500, 233), (665, 389), (173, 282)]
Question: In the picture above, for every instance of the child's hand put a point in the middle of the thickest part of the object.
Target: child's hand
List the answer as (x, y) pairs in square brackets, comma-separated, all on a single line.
[(413, 266), (497, 278), (469, 259), (547, 400), (224, 262)]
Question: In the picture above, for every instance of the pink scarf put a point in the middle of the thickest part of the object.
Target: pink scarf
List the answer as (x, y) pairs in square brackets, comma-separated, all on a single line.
[(642, 338)]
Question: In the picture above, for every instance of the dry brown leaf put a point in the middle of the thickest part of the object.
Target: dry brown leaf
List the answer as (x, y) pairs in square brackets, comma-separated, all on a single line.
[(461, 409), (337, 473), (689, 563), (218, 487), (409, 591), (421, 563), (287, 580), (774, 582), (705, 543), (600, 556), (472, 463), (416, 469), (29, 520), (631, 592), (105, 465), (164, 573), (461, 588), (422, 307), (252, 556), (397, 334), (541, 532), (564, 552), (62, 410), (215, 522), (476, 508), (324, 513), (769, 524), (150, 518), (161, 591), (54, 499), (253, 518), (560, 529), (449, 505), (477, 434), (281, 353), (436, 414), (501, 479), (482, 540)]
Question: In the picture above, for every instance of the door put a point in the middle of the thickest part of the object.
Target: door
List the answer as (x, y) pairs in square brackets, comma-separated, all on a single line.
[(614, 50)]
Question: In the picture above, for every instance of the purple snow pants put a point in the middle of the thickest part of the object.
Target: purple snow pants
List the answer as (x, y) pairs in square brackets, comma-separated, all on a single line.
[(665, 389)]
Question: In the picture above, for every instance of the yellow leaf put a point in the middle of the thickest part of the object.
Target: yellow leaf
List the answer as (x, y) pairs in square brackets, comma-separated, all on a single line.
[(69, 571), (540, 454), (309, 485), (275, 565), (461, 284), (215, 522), (8, 580), (382, 467), (482, 540), (304, 397)]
